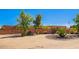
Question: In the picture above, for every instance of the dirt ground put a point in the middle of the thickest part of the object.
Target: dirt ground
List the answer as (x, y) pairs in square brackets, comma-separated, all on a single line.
[(42, 41)]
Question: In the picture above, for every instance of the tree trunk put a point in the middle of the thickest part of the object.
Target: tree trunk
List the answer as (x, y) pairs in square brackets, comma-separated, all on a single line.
[(23, 33)]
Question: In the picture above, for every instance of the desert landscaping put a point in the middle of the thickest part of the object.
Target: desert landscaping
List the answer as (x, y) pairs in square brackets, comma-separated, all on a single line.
[(46, 41), (29, 33)]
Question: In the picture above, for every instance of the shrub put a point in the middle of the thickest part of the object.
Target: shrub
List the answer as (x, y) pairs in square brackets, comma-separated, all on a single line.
[(73, 30), (68, 31), (46, 30), (39, 31), (53, 30), (61, 32), (31, 32)]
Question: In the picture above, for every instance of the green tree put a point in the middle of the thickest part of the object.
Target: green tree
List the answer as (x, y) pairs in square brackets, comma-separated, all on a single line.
[(37, 22), (76, 20), (24, 22)]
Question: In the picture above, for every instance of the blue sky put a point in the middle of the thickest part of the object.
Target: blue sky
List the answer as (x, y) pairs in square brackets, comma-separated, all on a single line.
[(62, 17)]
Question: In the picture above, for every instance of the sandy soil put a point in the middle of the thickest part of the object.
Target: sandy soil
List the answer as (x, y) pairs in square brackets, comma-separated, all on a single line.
[(12, 41)]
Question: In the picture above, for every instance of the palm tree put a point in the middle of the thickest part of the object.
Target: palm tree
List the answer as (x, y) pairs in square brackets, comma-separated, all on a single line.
[(24, 22)]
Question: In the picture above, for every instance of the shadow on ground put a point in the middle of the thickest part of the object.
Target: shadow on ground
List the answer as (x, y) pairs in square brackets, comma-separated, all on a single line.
[(12, 36), (57, 37)]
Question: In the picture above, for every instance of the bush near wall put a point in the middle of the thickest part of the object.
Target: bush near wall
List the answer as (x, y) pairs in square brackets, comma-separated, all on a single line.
[(73, 30), (41, 30)]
